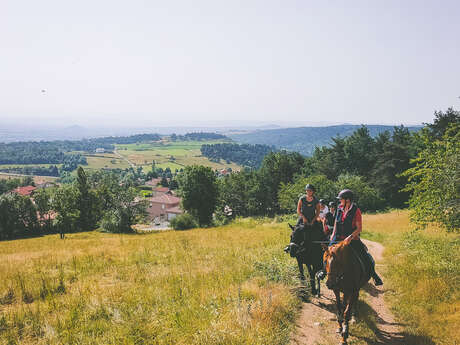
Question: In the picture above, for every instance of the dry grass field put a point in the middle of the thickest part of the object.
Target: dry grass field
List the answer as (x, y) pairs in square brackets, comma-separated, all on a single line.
[(227, 285), (423, 274), (206, 286), (99, 161)]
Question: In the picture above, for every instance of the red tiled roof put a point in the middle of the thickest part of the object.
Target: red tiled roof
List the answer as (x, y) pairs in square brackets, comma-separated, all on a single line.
[(175, 210), (27, 190), (165, 199), (162, 189), (153, 182)]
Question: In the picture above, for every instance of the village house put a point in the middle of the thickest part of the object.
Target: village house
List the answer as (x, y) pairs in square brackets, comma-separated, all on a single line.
[(153, 182), (25, 191), (163, 206)]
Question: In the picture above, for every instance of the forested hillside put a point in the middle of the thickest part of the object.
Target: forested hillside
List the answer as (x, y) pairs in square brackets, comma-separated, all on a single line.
[(246, 155), (305, 139)]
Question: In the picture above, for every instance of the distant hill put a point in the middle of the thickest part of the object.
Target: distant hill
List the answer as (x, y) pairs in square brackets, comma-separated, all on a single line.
[(305, 139)]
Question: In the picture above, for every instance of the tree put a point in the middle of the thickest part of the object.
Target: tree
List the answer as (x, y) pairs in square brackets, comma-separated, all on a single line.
[(85, 220), (392, 157), (277, 168), (366, 197), (123, 211), (435, 181), (442, 122), (18, 216), (42, 200), (198, 189), (65, 203)]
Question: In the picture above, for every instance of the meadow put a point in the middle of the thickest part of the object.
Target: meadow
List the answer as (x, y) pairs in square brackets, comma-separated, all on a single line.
[(175, 155), (226, 285), (99, 161), (207, 286), (422, 276)]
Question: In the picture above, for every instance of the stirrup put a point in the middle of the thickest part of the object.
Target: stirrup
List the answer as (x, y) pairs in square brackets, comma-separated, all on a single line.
[(320, 274)]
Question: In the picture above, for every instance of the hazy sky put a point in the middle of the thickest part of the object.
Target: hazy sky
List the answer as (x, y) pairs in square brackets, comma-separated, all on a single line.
[(210, 62)]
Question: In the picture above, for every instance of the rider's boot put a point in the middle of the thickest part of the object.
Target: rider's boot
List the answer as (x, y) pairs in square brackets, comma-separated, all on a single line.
[(377, 280)]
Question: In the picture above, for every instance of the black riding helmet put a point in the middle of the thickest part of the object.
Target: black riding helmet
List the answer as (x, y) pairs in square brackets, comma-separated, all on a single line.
[(311, 187), (345, 194), (332, 204), (322, 201)]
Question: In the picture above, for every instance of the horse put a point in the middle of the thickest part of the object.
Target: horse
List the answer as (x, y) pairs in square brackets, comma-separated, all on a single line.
[(345, 274), (305, 246)]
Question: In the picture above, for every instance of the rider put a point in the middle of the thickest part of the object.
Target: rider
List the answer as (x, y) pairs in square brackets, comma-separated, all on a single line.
[(308, 207), (348, 226), (323, 209), (329, 219)]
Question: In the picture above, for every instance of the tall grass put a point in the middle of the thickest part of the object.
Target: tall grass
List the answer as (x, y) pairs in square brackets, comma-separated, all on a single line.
[(226, 285), (424, 274)]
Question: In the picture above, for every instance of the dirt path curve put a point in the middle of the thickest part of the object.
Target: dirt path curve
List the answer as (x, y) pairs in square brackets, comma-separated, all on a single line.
[(124, 158), (317, 322)]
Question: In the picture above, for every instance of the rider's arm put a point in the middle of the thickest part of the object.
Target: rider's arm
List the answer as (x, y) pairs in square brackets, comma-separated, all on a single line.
[(333, 231), (299, 210), (358, 223)]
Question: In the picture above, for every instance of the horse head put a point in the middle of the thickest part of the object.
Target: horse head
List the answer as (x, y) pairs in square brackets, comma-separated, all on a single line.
[(296, 245), (334, 264)]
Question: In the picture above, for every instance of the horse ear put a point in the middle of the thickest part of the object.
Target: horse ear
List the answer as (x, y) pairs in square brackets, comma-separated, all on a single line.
[(292, 228)]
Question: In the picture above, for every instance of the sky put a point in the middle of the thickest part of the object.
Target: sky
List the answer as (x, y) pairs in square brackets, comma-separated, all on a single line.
[(178, 63)]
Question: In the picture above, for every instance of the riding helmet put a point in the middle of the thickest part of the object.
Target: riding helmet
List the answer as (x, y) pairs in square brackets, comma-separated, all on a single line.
[(345, 194), (322, 201), (311, 187), (332, 204)]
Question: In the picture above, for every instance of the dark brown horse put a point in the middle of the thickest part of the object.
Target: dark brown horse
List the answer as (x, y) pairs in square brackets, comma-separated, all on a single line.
[(346, 275), (306, 247)]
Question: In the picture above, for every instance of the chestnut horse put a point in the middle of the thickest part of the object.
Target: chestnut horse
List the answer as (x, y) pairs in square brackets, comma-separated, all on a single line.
[(346, 275)]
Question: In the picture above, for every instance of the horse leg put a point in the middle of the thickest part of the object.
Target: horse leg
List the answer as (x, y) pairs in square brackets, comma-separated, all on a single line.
[(312, 279), (301, 273), (318, 290), (354, 309), (339, 311), (350, 300)]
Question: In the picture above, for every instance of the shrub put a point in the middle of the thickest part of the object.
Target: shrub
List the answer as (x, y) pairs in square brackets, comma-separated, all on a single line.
[(183, 222)]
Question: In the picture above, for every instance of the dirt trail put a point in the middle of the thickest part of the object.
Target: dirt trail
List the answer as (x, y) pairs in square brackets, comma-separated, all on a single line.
[(317, 323)]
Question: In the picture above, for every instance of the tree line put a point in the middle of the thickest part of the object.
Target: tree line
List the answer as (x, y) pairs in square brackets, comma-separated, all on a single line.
[(392, 170), (420, 170), (100, 199), (197, 136), (245, 155)]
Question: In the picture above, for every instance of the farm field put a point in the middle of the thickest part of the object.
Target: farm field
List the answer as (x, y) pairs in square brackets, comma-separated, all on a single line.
[(37, 179), (7, 166), (98, 161), (174, 155)]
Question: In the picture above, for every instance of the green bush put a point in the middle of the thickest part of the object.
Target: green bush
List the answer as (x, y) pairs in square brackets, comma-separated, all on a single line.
[(183, 222)]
